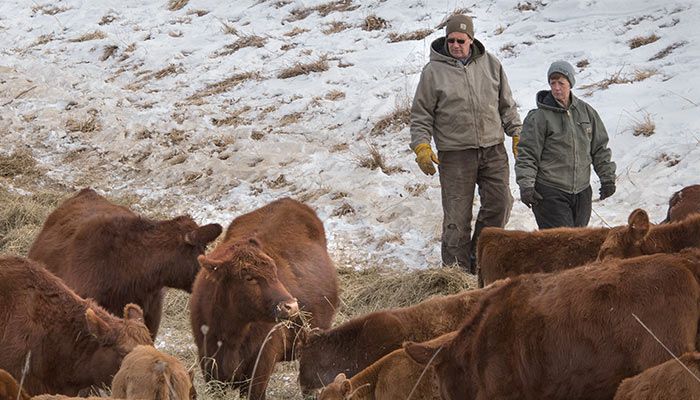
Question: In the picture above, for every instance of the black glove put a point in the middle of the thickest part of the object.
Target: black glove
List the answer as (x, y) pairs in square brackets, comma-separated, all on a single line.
[(529, 196), (606, 189)]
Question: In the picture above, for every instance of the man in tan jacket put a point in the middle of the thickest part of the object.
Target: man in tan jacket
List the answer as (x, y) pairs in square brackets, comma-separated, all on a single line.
[(463, 102)]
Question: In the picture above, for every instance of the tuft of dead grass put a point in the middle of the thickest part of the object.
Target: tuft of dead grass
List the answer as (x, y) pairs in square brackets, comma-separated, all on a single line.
[(374, 159), (20, 162), (242, 42), (334, 95), (88, 124), (644, 126), (296, 31), (233, 119), (304, 69), (394, 121), (47, 9), (668, 50), (323, 9), (373, 23), (108, 52), (335, 27), (529, 5), (223, 86), (640, 41), (415, 35), (95, 35), (174, 5), (291, 118), (618, 78), (21, 218), (582, 63)]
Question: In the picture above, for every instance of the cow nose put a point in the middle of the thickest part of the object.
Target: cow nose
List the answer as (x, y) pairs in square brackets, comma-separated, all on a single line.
[(288, 308)]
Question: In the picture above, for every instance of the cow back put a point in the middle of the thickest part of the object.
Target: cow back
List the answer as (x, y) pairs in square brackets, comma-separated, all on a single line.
[(683, 203), (503, 253), (70, 343), (669, 380)]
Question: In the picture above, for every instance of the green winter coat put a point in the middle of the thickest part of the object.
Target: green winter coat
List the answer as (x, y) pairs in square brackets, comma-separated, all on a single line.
[(463, 106), (558, 146)]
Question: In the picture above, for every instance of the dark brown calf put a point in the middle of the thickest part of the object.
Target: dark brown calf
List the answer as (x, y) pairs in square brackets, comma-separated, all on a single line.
[(356, 344), (669, 380), (271, 264), (683, 203), (571, 335), (640, 237), (71, 343), (502, 253), (108, 253), (146, 373)]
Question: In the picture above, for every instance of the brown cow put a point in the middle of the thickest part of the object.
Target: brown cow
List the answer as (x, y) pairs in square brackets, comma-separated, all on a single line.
[(146, 373), (393, 377), (70, 343), (356, 344), (502, 253), (666, 381), (9, 389), (106, 252), (640, 237), (272, 263), (573, 334), (683, 203)]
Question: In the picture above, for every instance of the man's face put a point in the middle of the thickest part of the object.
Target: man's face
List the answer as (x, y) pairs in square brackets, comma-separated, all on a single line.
[(458, 43), (561, 89)]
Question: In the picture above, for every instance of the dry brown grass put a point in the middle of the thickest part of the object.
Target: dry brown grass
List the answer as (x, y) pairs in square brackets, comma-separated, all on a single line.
[(107, 19), (225, 85), (582, 63), (499, 30), (373, 23), (20, 162), (374, 159), (296, 31), (644, 126), (529, 6), (291, 118), (304, 69), (49, 9), (508, 49), (95, 35), (335, 27), (668, 50), (242, 42), (640, 41), (415, 35), (108, 52), (174, 5), (334, 95), (323, 9), (21, 218), (618, 78), (88, 124), (233, 119), (394, 121), (199, 12)]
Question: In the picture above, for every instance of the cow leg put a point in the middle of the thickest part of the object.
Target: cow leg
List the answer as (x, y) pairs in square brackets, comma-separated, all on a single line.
[(265, 367), (152, 311)]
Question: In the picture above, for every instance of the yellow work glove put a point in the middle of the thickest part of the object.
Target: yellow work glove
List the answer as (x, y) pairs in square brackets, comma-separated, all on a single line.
[(516, 140), (425, 158)]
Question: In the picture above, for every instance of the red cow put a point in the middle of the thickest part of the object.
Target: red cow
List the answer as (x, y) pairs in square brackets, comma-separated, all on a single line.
[(271, 264), (502, 253), (106, 252), (146, 373), (571, 335), (356, 344), (9, 389), (683, 203), (669, 380), (640, 237), (70, 343)]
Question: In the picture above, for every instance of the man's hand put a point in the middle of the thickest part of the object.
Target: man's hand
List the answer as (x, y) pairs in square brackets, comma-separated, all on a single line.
[(516, 140), (425, 158), (529, 196), (606, 189)]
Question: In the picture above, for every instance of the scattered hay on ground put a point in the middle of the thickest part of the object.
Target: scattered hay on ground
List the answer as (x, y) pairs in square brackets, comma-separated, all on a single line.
[(21, 218), (640, 41), (223, 86), (335, 27), (89, 36), (668, 50), (304, 69), (394, 121), (373, 23), (415, 35), (242, 42), (20, 162)]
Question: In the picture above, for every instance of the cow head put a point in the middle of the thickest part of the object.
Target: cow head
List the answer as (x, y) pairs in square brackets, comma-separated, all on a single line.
[(189, 241), (626, 241), (110, 340), (340, 389), (438, 353), (248, 278)]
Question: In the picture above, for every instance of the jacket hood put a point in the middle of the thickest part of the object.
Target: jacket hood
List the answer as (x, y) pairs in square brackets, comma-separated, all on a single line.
[(438, 51), (546, 101)]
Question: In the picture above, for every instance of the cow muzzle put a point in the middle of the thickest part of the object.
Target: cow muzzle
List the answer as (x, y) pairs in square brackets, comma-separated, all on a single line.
[(287, 309)]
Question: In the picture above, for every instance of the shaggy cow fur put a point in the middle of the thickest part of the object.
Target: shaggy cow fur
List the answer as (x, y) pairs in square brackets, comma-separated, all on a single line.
[(669, 380), (108, 253), (272, 264), (683, 203)]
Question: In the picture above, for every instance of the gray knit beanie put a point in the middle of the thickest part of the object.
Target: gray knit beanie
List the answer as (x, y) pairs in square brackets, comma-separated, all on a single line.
[(564, 68), (460, 23)]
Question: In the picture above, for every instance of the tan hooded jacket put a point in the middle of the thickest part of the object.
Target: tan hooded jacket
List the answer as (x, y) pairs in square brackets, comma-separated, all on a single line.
[(463, 106)]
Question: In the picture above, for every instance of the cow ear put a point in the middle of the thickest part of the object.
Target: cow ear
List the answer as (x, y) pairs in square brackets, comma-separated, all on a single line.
[(96, 326), (133, 312), (203, 235), (423, 353), (639, 225), (305, 335), (209, 264), (346, 388)]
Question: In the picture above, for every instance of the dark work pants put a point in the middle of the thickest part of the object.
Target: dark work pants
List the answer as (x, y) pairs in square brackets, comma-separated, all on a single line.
[(460, 172), (558, 208)]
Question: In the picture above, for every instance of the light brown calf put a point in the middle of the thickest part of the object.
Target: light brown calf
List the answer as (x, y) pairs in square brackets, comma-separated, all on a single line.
[(665, 381)]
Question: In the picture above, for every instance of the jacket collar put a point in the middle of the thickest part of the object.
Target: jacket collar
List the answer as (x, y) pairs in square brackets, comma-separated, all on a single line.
[(546, 101)]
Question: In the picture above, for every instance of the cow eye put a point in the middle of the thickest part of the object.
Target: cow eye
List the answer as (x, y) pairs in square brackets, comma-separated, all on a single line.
[(250, 279)]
